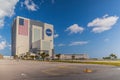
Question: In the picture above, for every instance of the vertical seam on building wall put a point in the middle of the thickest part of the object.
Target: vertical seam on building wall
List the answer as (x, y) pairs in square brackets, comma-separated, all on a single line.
[(43, 31)]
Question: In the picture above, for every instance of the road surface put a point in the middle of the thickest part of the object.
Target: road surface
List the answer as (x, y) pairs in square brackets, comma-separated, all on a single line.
[(37, 70)]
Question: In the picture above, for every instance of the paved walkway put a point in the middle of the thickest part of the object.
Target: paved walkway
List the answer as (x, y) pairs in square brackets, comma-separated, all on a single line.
[(37, 70)]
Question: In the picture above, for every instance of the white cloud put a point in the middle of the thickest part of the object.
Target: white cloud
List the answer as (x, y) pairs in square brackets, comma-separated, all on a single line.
[(42, 2), (78, 43), (1, 22), (0, 37), (9, 45), (75, 28), (6, 9), (106, 40), (30, 5), (3, 44), (106, 15), (53, 1), (56, 35), (102, 24), (61, 45), (22, 4)]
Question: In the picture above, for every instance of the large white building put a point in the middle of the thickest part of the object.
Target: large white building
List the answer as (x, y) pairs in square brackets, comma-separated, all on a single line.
[(31, 36)]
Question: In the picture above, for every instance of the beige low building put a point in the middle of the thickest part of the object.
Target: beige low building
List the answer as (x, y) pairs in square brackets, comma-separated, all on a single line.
[(76, 56), (8, 57)]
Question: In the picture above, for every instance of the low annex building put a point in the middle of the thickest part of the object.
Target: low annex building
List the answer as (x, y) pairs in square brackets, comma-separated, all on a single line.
[(31, 36), (76, 56)]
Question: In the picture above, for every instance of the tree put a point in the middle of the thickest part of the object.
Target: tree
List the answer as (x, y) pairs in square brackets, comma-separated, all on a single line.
[(106, 57), (113, 56), (27, 56), (15, 56), (58, 56), (28, 53), (73, 57), (44, 55)]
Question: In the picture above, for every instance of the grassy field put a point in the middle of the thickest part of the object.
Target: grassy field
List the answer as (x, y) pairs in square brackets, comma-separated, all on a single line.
[(101, 62)]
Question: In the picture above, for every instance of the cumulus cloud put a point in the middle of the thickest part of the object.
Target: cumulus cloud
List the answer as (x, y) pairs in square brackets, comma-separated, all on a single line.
[(52, 1), (106, 39), (0, 37), (1, 22), (56, 35), (9, 45), (102, 24), (30, 5), (78, 43), (61, 45), (6, 9), (3, 43), (75, 28)]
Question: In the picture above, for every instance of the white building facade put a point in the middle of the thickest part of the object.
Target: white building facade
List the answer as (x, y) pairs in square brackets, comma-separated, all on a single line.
[(76, 56), (31, 36)]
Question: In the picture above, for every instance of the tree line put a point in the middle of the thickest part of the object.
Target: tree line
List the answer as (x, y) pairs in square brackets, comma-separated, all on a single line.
[(38, 56), (111, 56)]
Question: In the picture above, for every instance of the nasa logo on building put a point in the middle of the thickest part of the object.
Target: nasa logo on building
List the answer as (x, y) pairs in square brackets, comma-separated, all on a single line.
[(48, 32)]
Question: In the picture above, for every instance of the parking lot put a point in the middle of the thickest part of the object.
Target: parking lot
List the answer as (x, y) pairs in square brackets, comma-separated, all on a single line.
[(38, 70)]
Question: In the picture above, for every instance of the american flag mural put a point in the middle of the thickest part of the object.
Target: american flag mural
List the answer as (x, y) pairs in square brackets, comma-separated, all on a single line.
[(23, 27)]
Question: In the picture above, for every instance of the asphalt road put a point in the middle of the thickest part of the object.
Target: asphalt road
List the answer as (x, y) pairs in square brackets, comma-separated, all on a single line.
[(36, 70)]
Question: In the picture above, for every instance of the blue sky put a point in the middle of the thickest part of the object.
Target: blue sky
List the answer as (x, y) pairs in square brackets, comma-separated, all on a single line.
[(81, 26)]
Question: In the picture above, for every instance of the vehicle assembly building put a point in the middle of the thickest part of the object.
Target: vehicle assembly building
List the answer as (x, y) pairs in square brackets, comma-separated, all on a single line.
[(31, 36)]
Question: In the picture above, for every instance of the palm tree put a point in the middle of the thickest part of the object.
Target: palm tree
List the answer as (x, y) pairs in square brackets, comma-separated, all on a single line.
[(15, 56), (58, 56), (44, 55), (73, 57), (38, 55), (113, 56), (27, 55)]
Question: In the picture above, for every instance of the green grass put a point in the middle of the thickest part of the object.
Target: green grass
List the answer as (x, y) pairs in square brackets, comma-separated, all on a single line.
[(114, 63)]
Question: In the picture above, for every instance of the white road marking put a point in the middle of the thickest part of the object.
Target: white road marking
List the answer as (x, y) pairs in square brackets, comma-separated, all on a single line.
[(23, 74), (118, 68)]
